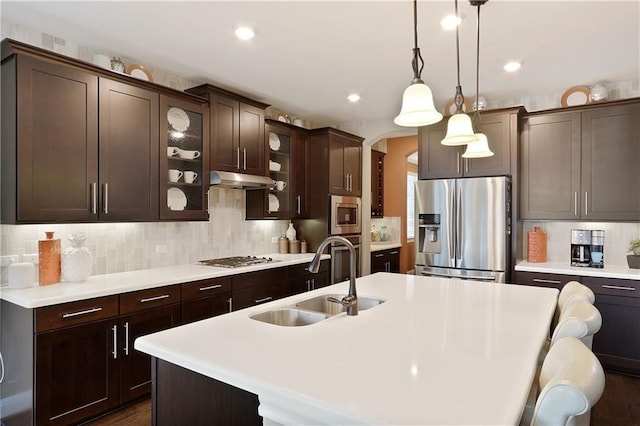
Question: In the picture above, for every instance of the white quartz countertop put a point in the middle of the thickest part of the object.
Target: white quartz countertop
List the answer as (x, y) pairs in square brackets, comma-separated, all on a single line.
[(123, 282), (616, 271), (377, 246), (438, 351)]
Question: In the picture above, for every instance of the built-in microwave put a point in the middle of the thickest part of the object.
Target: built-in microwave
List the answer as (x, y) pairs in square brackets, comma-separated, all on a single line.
[(346, 215)]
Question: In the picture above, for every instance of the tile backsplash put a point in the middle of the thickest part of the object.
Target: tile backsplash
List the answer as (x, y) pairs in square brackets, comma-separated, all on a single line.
[(119, 247), (616, 239)]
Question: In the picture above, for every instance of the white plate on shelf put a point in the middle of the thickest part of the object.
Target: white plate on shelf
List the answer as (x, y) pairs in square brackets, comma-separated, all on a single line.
[(274, 204), (274, 141), (176, 200), (274, 167), (178, 119)]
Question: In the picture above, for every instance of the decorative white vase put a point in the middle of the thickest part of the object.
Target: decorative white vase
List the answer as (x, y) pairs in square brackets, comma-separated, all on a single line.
[(291, 232), (77, 260)]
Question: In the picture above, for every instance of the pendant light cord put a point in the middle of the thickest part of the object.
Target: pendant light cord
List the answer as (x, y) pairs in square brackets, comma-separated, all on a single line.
[(459, 97), (476, 115), (417, 63)]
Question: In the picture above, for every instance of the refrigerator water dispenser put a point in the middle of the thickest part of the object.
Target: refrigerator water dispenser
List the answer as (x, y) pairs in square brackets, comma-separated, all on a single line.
[(428, 239)]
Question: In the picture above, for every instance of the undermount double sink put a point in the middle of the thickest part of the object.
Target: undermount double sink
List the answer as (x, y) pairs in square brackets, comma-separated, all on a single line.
[(311, 311)]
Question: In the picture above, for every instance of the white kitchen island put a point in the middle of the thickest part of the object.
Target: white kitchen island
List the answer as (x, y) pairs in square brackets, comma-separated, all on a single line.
[(437, 351)]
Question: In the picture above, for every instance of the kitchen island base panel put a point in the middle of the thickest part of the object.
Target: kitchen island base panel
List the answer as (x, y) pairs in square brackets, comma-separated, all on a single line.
[(181, 396)]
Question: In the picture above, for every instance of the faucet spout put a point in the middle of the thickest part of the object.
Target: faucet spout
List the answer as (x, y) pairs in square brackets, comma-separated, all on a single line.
[(350, 300)]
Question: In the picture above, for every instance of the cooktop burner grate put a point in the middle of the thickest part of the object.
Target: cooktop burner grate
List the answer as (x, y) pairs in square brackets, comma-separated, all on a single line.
[(237, 261)]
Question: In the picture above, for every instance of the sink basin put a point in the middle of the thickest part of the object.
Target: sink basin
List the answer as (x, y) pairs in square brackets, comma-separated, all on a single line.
[(289, 317), (321, 304)]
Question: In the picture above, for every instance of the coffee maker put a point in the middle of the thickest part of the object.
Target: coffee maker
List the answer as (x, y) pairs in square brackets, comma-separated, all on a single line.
[(597, 249), (580, 247)]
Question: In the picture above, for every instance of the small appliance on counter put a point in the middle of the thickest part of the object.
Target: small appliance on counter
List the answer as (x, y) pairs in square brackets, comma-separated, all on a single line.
[(597, 249), (580, 247)]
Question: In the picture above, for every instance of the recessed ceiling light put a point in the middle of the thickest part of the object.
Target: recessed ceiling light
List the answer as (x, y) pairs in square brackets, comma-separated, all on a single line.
[(244, 33), (450, 22), (354, 97), (512, 66)]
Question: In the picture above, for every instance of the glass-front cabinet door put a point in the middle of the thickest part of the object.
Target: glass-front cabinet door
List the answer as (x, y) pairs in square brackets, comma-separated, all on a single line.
[(279, 198), (184, 159)]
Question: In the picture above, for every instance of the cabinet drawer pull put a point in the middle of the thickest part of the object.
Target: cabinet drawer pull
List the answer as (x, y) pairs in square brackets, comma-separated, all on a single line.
[(395, 252), (586, 203), (94, 198), (75, 314), (618, 287), (466, 165), (238, 158), (126, 338), (115, 341), (211, 287), (575, 203), (244, 158), (540, 280), (151, 299), (230, 301), (379, 255), (264, 299), (299, 201), (458, 163)]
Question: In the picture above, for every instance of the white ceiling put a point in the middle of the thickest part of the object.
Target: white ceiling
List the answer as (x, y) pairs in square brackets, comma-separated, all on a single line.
[(307, 56)]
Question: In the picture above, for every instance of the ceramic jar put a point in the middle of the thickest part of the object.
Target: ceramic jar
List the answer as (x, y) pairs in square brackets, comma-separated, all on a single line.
[(77, 260)]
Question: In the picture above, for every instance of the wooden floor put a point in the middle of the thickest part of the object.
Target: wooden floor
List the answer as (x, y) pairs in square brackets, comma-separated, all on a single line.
[(619, 406)]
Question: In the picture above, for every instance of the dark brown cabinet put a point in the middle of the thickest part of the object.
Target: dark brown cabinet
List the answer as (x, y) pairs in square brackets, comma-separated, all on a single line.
[(617, 344), (385, 261), (44, 180), (205, 299), (81, 144), (237, 141), (437, 161), (255, 288), (128, 152), (377, 183), (582, 164), (184, 149), (288, 159), (345, 165), (301, 280)]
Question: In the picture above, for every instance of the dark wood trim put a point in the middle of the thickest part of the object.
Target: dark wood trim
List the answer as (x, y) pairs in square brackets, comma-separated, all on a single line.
[(205, 89)]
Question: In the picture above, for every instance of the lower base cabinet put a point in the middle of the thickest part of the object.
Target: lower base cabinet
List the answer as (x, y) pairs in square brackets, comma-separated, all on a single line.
[(183, 397), (617, 344), (385, 261)]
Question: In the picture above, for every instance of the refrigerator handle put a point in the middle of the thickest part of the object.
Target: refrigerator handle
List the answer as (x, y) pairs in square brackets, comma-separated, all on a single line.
[(451, 226), (459, 224)]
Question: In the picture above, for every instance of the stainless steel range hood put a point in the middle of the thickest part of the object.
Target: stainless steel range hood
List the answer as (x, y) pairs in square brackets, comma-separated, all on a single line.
[(239, 180)]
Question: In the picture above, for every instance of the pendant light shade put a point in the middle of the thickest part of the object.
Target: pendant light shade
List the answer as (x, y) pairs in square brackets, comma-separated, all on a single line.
[(417, 101), (459, 130), (417, 107), (478, 149)]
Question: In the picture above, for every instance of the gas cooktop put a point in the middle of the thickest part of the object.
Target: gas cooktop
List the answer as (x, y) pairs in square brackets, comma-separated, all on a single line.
[(237, 261)]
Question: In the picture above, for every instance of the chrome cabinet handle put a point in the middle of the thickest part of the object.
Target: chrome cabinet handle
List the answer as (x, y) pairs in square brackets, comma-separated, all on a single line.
[(586, 203), (379, 255), (238, 158), (75, 314), (346, 181), (126, 338), (265, 299), (466, 165), (299, 201), (94, 198), (244, 158), (540, 280), (151, 299), (230, 302), (105, 195), (575, 203), (618, 287), (313, 283), (458, 162), (115, 342), (394, 252), (211, 287)]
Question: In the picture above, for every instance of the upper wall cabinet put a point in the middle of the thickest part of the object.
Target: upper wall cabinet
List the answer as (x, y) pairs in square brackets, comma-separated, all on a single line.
[(287, 148), (582, 163), (345, 160), (437, 161), (79, 143), (237, 142)]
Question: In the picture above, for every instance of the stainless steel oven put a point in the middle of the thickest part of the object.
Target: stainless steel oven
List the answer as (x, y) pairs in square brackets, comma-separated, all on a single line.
[(340, 266), (346, 215)]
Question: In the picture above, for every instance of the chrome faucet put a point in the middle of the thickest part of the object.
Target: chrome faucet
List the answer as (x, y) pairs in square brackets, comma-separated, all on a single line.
[(350, 301)]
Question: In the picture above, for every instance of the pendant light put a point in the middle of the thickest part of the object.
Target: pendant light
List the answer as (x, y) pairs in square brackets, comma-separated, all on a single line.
[(417, 101), (480, 148), (459, 127)]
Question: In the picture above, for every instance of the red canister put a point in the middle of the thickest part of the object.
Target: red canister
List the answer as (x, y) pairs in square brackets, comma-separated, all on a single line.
[(49, 256), (537, 246)]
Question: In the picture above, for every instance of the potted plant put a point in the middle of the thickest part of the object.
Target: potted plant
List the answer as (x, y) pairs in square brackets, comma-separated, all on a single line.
[(633, 259)]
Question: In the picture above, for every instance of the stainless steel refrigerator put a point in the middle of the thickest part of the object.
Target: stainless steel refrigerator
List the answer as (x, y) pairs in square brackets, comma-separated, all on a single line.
[(463, 228)]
